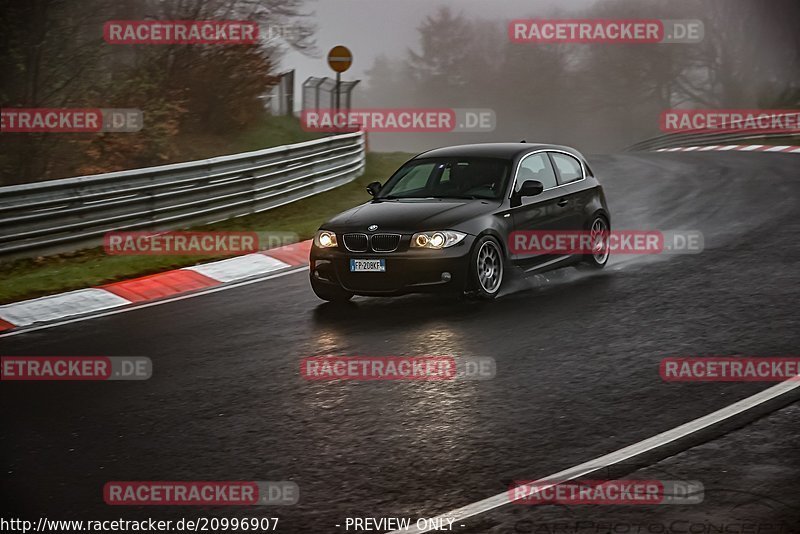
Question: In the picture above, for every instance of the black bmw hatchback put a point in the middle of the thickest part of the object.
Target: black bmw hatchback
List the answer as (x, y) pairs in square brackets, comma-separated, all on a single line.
[(444, 222)]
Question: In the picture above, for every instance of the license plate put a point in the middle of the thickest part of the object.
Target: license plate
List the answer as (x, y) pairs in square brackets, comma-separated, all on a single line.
[(368, 266)]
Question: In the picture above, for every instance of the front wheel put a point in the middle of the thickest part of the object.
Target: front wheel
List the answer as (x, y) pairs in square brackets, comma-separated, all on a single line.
[(598, 240), (486, 268), (330, 293)]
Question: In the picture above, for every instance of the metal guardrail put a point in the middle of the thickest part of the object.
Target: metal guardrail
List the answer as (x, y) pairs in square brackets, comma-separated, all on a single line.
[(701, 138), (73, 213)]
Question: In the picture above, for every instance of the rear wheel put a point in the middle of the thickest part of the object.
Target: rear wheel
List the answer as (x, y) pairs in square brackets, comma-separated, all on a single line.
[(330, 293), (598, 240), (486, 268)]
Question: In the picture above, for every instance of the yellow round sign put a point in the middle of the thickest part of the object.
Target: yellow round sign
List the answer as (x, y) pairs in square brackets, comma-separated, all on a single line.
[(340, 58)]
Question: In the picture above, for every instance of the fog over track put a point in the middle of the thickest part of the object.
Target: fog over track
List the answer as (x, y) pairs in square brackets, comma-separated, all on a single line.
[(577, 368)]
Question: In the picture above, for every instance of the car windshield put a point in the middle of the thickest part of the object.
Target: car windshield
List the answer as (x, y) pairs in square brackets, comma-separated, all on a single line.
[(473, 178)]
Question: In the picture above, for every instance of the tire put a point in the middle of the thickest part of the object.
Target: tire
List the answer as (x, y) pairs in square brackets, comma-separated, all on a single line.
[(598, 260), (330, 293), (486, 269)]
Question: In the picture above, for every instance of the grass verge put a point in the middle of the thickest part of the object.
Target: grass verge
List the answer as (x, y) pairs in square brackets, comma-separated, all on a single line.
[(272, 131), (36, 277)]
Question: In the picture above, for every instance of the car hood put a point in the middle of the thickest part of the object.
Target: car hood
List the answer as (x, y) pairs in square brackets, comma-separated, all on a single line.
[(409, 215)]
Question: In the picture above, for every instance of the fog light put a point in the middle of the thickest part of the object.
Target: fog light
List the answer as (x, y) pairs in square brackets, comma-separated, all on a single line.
[(446, 276)]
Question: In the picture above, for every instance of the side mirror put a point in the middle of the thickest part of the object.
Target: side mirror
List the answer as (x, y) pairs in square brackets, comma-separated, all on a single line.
[(374, 188), (530, 188)]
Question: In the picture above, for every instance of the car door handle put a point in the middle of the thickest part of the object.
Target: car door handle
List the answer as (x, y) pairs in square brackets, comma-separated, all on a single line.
[(563, 202)]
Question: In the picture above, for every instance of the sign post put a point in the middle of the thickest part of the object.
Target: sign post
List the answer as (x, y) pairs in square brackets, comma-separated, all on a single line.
[(339, 59)]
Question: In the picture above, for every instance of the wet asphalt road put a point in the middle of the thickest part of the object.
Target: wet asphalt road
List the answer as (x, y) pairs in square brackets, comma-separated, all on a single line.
[(749, 479), (577, 368)]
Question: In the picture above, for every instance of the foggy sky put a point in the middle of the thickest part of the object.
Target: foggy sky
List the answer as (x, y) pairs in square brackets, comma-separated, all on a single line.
[(373, 27), (753, 49)]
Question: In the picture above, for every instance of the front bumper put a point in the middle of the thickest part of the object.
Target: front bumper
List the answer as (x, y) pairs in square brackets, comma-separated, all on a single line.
[(407, 270)]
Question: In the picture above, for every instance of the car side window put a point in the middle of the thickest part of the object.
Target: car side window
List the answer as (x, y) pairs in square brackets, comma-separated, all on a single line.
[(536, 167), (416, 178), (569, 168), (445, 177)]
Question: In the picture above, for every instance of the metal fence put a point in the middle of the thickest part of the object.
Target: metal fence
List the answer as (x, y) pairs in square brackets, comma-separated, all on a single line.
[(320, 93), (699, 138), (73, 213), (281, 95)]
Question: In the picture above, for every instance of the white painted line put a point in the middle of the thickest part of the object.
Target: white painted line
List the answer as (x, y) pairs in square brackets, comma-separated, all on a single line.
[(155, 303), (239, 268), (584, 469), (744, 148), (59, 306)]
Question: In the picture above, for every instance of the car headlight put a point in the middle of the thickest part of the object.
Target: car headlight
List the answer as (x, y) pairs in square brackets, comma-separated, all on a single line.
[(325, 239), (437, 240)]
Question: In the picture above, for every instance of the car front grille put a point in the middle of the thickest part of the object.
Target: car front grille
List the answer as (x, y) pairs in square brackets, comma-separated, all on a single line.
[(385, 242), (355, 242), (374, 243)]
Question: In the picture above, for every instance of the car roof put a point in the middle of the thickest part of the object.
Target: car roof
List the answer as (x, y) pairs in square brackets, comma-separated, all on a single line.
[(492, 150)]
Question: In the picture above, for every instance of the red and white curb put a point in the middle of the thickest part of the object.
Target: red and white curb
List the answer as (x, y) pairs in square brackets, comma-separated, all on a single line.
[(740, 148), (152, 287)]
